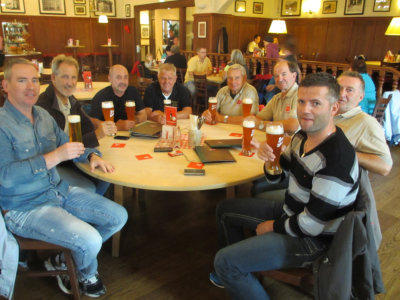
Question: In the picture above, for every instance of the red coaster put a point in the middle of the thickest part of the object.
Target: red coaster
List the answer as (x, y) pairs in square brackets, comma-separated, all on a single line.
[(195, 165), (118, 145), (143, 156), (236, 134), (251, 155)]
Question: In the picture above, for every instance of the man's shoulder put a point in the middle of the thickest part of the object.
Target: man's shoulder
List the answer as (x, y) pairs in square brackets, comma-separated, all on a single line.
[(337, 149), (47, 97), (249, 88), (363, 120), (223, 91), (104, 92), (132, 89)]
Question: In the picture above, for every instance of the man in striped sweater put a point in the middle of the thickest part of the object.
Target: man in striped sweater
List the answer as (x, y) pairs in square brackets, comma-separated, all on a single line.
[(291, 232)]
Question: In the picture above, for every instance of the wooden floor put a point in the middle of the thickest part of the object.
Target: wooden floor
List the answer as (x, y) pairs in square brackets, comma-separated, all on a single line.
[(167, 248)]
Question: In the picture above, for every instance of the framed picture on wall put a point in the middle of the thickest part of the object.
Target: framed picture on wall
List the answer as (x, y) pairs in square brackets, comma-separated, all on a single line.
[(354, 7), (202, 30), (144, 31), (79, 1), (80, 10), (104, 7), (290, 8), (382, 5), (329, 7), (240, 6), (17, 6), (258, 7), (53, 7), (127, 10)]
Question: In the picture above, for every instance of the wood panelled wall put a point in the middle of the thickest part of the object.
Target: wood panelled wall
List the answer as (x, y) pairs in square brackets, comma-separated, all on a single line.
[(49, 35), (334, 39)]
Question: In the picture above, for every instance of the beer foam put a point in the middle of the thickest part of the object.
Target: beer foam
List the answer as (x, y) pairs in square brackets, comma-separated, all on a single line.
[(74, 118), (130, 103), (107, 104), (247, 101), (249, 124), (212, 100), (167, 102), (274, 129)]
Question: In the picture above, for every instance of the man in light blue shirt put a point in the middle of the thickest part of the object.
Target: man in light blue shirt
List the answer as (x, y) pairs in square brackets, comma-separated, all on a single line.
[(35, 202)]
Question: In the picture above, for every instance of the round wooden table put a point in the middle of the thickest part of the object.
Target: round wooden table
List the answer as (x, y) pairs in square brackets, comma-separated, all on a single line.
[(81, 93), (109, 50), (74, 49), (165, 173)]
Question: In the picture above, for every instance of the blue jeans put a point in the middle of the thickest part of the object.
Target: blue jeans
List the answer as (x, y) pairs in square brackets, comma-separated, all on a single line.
[(235, 263), (82, 221)]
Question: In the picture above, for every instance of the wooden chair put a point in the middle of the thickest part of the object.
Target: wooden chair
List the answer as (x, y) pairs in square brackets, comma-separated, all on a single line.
[(30, 244), (141, 84), (380, 107), (200, 99), (180, 73)]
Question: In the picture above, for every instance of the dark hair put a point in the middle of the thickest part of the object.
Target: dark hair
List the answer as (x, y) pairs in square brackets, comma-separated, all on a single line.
[(168, 48), (175, 49), (268, 39), (354, 74), (323, 79), (359, 65), (256, 36)]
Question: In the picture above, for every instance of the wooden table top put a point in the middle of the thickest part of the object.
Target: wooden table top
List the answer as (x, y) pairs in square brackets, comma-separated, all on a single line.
[(81, 93), (215, 78), (165, 173), (109, 46), (75, 46)]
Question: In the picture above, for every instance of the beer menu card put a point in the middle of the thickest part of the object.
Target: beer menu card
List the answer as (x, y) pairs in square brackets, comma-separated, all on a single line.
[(170, 115), (87, 78)]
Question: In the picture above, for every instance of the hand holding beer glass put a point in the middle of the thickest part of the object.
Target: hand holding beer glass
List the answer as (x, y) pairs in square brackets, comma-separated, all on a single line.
[(75, 132), (274, 131), (247, 103), (248, 132), (212, 107), (108, 113)]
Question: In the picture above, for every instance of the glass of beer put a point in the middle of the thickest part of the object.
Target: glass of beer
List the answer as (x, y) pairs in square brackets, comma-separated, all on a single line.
[(212, 107), (167, 102), (108, 110), (248, 132), (274, 132), (75, 132), (130, 107), (246, 107)]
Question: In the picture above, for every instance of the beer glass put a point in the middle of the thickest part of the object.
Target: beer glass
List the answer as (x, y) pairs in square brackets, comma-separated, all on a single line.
[(167, 102), (75, 132), (274, 132), (246, 107), (248, 132), (212, 107), (130, 107), (108, 110)]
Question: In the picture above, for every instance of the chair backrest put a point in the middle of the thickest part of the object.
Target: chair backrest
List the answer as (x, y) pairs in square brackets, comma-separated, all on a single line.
[(380, 107), (200, 81), (180, 73), (141, 84)]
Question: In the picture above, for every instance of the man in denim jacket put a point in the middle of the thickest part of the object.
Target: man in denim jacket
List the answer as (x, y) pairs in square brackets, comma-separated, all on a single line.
[(34, 201)]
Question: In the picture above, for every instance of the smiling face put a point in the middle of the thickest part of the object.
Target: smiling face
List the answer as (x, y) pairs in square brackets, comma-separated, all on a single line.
[(119, 79), (65, 79), (23, 86), (167, 81), (351, 93), (235, 80), (284, 78), (314, 110)]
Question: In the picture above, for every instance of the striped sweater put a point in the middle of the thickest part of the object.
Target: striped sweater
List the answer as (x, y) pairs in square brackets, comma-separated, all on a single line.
[(323, 185)]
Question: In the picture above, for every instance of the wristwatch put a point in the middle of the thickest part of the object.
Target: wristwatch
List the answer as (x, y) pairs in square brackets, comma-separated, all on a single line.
[(226, 118)]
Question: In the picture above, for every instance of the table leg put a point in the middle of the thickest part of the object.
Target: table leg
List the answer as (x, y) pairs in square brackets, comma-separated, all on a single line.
[(118, 198), (230, 192), (75, 53), (110, 59)]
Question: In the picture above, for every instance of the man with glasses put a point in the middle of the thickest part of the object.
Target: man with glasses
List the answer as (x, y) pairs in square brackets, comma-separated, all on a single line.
[(166, 88)]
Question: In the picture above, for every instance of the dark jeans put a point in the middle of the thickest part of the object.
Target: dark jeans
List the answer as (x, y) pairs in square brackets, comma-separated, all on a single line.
[(235, 263)]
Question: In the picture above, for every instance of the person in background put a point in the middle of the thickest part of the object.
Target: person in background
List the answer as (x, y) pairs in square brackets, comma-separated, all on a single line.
[(166, 88), (167, 52), (368, 102), (149, 61), (230, 97), (177, 59), (236, 58), (199, 64), (59, 102), (271, 48), (118, 92), (170, 39), (175, 41), (254, 44)]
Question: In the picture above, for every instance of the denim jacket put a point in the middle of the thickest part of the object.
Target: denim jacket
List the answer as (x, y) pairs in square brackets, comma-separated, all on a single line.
[(25, 181)]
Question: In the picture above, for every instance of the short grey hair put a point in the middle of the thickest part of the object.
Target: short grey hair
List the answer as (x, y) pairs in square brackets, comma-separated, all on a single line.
[(59, 59), (166, 68), (16, 61), (175, 49), (237, 67)]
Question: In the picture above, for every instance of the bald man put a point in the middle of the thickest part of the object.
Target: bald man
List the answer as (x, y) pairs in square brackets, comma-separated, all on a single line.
[(118, 92)]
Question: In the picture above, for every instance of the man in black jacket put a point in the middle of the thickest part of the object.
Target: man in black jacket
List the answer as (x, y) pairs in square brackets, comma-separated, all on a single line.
[(58, 100), (177, 59)]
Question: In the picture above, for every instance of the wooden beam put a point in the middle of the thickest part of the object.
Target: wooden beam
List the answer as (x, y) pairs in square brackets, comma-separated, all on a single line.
[(169, 4), (182, 27)]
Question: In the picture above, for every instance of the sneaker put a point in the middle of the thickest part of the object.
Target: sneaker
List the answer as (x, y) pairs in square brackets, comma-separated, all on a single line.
[(215, 280), (55, 263), (92, 287)]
